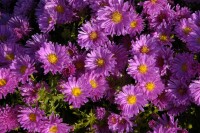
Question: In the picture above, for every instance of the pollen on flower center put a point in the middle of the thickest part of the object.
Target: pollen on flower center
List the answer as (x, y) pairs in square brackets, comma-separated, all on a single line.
[(131, 99), (93, 35), (53, 129), (142, 69), (52, 58), (184, 67), (32, 117), (150, 86), (153, 1), (23, 69), (49, 20), (144, 49), (10, 57), (60, 9), (93, 83), (100, 62), (116, 17), (2, 82), (187, 30), (76, 91), (133, 24), (163, 38)]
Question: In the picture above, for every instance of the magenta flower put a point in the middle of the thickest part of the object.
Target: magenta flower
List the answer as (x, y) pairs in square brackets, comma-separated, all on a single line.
[(194, 90)]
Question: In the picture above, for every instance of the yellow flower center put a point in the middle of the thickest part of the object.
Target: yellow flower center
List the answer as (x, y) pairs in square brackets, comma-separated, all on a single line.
[(142, 69), (23, 69), (49, 20), (76, 91), (133, 24), (93, 83), (153, 1), (60, 9), (116, 17), (10, 57), (163, 38), (150, 86), (52, 58), (144, 49), (2, 82), (100, 62), (187, 30), (32, 117), (93, 35), (53, 129), (131, 99), (184, 67)]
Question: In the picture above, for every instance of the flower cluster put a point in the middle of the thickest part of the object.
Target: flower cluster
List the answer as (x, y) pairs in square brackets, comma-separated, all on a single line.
[(98, 66)]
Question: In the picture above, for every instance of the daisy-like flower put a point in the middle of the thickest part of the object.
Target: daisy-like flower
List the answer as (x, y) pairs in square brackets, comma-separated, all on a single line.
[(182, 66), (194, 90), (97, 4), (152, 6), (31, 118), (101, 61), (193, 40), (152, 87), (75, 91), (54, 125), (182, 12), (91, 36), (130, 100), (53, 57), (20, 26), (142, 66), (96, 84), (196, 18), (162, 101), (23, 67), (183, 29), (135, 24), (61, 9), (119, 123), (79, 63), (8, 119), (113, 18), (8, 82), (100, 113), (145, 45), (178, 91)]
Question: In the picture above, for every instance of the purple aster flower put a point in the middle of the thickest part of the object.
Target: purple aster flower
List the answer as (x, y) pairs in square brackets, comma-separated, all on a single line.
[(8, 52), (196, 18), (31, 118), (69, 70), (8, 119), (178, 91), (46, 22), (61, 9), (36, 41), (162, 101), (119, 123), (20, 26), (145, 44), (182, 12), (113, 18), (183, 29), (153, 6), (23, 67), (6, 35), (152, 87), (100, 113), (91, 36), (72, 49), (194, 90), (54, 125), (175, 110), (29, 91), (76, 91), (53, 57), (142, 66), (8, 82), (24, 7), (121, 55), (130, 100), (135, 24), (182, 66), (101, 61), (79, 63), (97, 4), (96, 84), (193, 40)]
